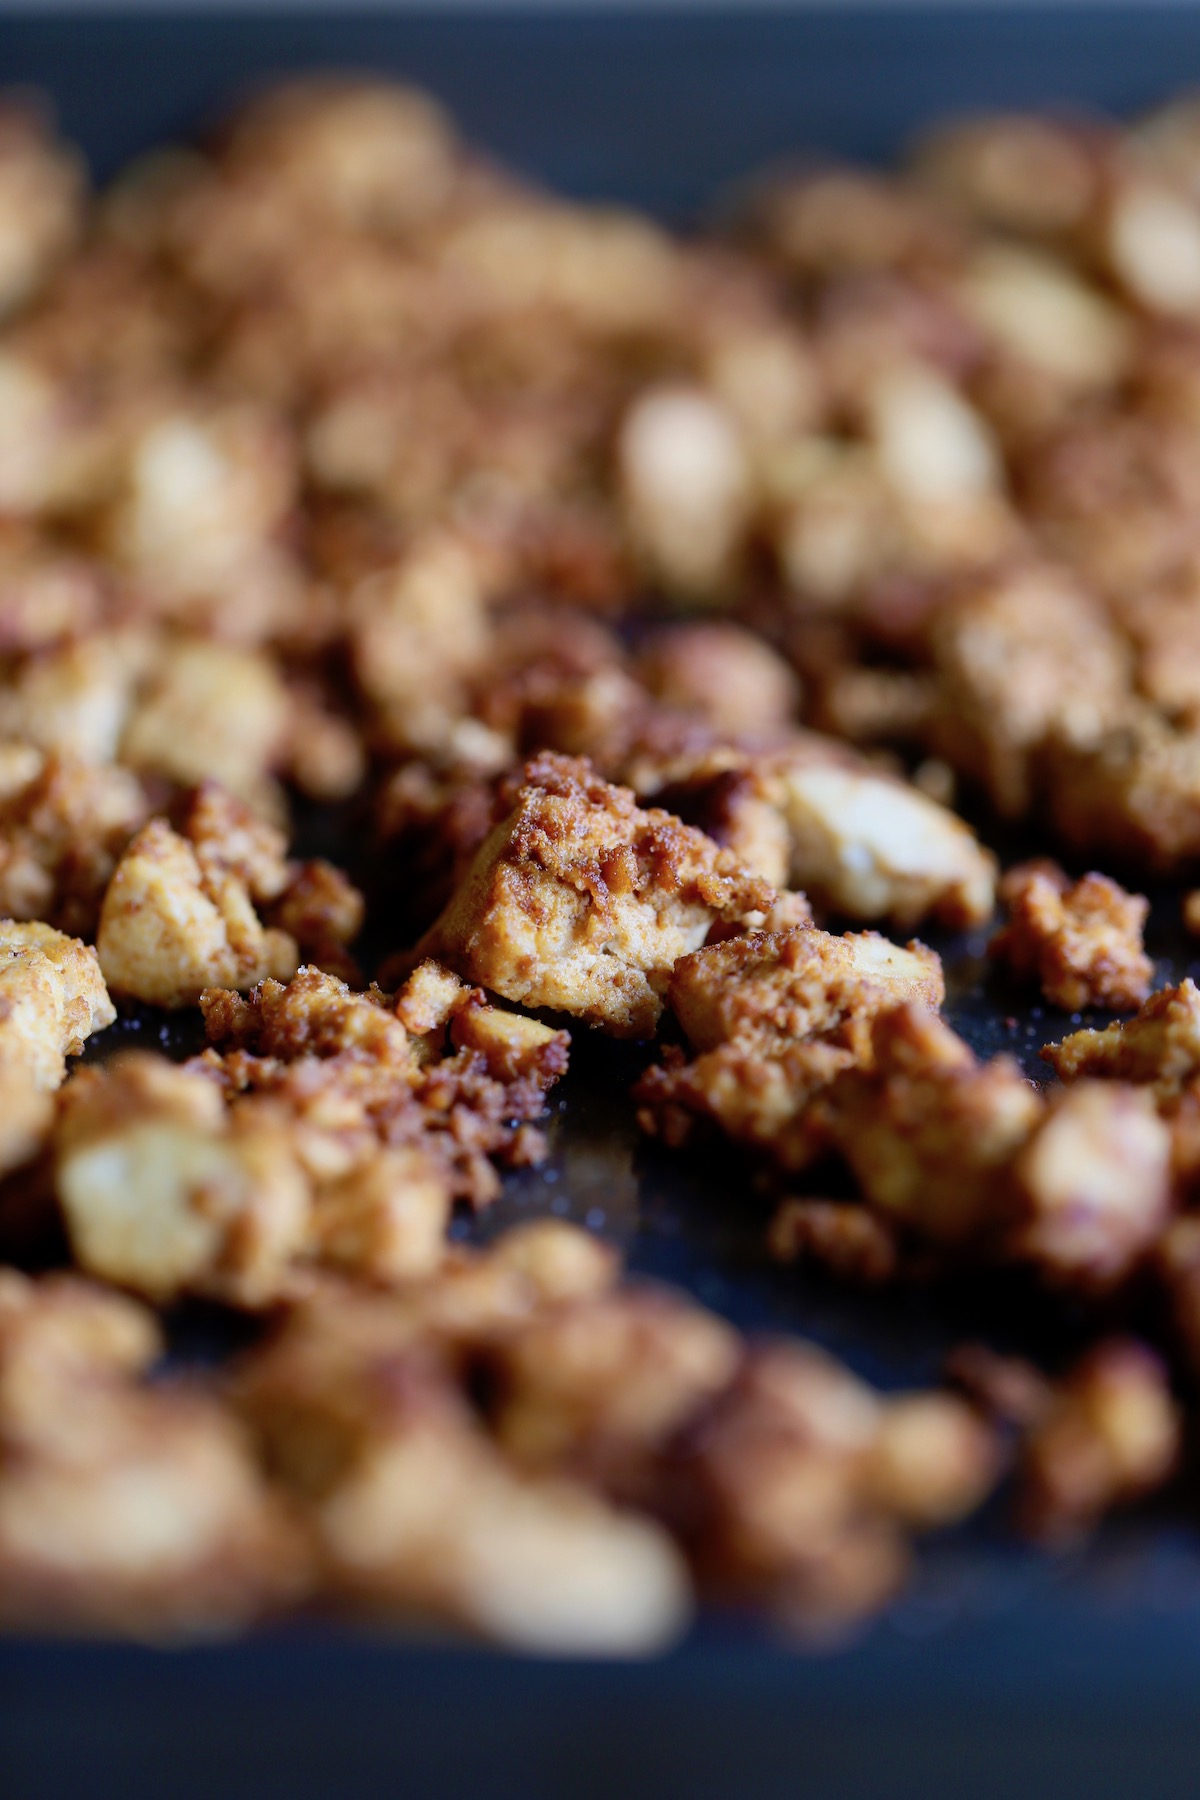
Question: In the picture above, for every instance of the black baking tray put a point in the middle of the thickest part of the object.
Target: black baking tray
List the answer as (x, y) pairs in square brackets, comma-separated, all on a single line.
[(1003, 1671)]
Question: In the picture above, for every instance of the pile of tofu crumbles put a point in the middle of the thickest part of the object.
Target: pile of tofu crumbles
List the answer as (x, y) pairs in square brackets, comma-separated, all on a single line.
[(644, 606)]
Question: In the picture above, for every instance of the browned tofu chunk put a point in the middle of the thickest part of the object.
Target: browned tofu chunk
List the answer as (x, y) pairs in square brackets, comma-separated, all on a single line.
[(1159, 1048), (171, 927), (1132, 790), (581, 901), (930, 1132), (1110, 1434), (804, 1485), (163, 1192), (1096, 1181), (1080, 941), (873, 847), (1021, 659), (52, 998), (775, 1017)]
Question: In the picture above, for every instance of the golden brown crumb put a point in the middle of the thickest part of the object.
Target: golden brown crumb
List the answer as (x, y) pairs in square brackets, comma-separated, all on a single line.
[(582, 902), (1095, 1180), (343, 1069), (602, 1385), (1159, 1048), (723, 672), (1081, 941), (929, 1132), (172, 925), (852, 1242), (52, 998), (806, 1483), (1110, 1434), (775, 1017)]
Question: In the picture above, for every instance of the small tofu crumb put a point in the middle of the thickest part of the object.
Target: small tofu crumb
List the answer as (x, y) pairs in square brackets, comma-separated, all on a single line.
[(1080, 941), (52, 998)]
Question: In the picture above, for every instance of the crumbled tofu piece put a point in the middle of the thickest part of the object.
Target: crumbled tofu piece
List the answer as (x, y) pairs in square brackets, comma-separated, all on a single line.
[(603, 1384), (63, 825), (775, 1017), (561, 1261), (430, 997), (1030, 176), (1152, 239), (164, 1193), (206, 491), (1159, 1047), (42, 189), (175, 922), (929, 1132), (802, 983), (1110, 1433), (1080, 941), (723, 793), (167, 1187), (312, 902), (372, 155), (52, 998), (61, 1327), (513, 1047), (386, 1218), (1132, 790), (72, 699), (420, 634), (1095, 1183), (344, 1069), (436, 1524), (211, 712), (933, 1460), (849, 1240), (583, 902), (685, 479), (1036, 309), (725, 673), (813, 816), (804, 1484), (844, 221), (933, 446), (26, 1117), (873, 847), (1018, 659)]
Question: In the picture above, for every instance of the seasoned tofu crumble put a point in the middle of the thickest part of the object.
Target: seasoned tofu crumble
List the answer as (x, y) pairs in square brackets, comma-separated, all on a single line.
[(655, 632)]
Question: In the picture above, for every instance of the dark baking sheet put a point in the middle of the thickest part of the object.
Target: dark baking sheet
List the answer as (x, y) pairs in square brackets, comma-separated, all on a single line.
[(1002, 1671)]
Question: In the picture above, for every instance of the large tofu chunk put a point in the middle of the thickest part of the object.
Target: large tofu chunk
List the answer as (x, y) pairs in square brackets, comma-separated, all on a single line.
[(582, 901)]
